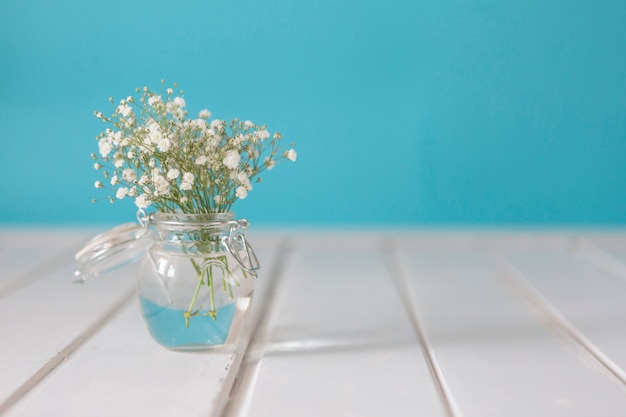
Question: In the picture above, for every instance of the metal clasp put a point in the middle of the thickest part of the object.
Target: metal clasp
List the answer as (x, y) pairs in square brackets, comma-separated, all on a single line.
[(237, 236)]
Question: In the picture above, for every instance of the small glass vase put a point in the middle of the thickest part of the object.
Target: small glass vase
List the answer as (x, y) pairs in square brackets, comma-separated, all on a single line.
[(196, 279), (194, 284)]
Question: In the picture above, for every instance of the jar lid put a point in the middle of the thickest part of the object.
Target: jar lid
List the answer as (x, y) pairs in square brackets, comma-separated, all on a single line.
[(119, 246)]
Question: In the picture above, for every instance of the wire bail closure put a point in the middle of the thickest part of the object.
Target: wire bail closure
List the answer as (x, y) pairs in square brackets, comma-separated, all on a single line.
[(237, 236)]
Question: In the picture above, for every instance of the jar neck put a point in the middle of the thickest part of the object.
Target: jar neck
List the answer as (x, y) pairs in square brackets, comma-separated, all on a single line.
[(195, 227)]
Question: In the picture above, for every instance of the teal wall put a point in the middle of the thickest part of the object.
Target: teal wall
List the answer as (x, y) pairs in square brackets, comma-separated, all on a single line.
[(419, 112)]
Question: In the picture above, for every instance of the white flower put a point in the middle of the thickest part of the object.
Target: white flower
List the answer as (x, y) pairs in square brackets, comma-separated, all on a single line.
[(124, 109), (98, 184), (132, 192), (187, 183), (114, 180), (291, 155), (173, 173), (179, 102), (170, 91), (154, 100), (269, 163), (202, 160), (154, 132), (121, 193), (161, 185), (119, 163), (241, 193), (248, 124), (242, 178), (231, 160), (216, 124), (97, 166), (105, 146), (116, 138), (237, 140), (188, 177), (199, 124), (264, 134), (164, 144), (204, 114), (217, 199), (129, 175), (143, 180), (142, 201)]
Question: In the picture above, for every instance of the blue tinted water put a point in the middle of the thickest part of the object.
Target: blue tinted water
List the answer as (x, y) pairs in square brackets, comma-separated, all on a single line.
[(167, 326)]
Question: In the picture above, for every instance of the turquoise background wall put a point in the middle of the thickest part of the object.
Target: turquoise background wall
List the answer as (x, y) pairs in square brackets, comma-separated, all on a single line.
[(418, 112)]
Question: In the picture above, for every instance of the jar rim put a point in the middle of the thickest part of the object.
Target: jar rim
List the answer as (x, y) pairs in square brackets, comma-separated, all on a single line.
[(174, 221)]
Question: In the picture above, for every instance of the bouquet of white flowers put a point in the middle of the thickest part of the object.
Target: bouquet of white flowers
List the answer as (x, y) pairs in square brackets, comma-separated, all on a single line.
[(157, 155)]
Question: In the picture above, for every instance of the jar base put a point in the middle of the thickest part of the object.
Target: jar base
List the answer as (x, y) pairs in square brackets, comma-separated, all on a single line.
[(173, 330)]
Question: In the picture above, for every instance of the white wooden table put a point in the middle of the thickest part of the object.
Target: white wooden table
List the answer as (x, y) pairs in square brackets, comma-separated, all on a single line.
[(361, 323)]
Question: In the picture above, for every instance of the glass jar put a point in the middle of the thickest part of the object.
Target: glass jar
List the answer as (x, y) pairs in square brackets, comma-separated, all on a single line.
[(196, 279)]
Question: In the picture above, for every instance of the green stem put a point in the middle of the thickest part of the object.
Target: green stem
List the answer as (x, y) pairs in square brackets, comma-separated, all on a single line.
[(188, 314), (212, 312)]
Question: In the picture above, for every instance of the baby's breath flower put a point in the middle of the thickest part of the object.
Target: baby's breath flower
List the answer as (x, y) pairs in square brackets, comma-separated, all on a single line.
[(129, 175), (155, 100), (231, 160), (264, 134), (173, 173), (121, 193), (105, 146), (142, 201), (241, 193), (124, 109), (160, 158), (291, 155), (164, 144), (187, 183)]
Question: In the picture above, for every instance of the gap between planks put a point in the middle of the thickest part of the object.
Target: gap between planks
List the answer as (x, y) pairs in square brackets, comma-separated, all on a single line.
[(515, 279), (399, 277), (239, 393)]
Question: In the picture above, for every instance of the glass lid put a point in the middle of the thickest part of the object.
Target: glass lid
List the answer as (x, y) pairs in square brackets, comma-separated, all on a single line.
[(117, 247)]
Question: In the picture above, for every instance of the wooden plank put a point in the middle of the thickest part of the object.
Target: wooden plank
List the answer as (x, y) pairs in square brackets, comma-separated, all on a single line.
[(26, 255), (337, 340), (45, 321), (121, 371), (587, 299), (484, 239), (496, 356)]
